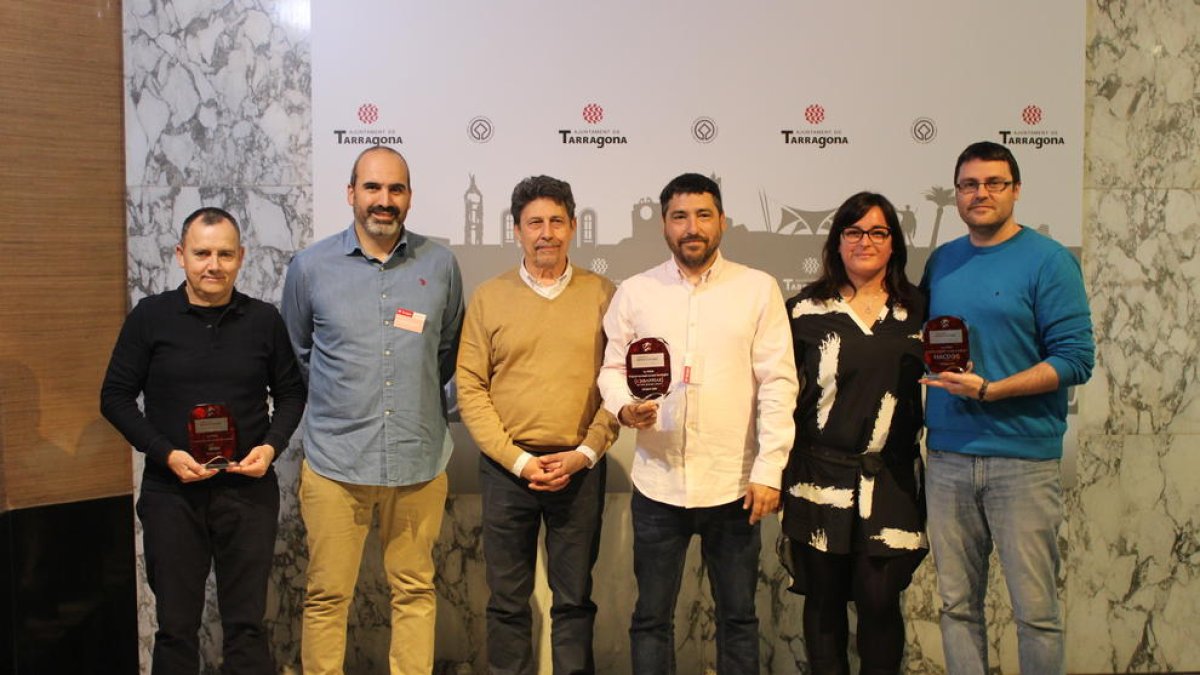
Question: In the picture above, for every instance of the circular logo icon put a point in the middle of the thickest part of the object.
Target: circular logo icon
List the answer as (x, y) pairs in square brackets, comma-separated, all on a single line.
[(480, 129), (593, 113), (704, 129), (1031, 115), (923, 130), (814, 114), (368, 113)]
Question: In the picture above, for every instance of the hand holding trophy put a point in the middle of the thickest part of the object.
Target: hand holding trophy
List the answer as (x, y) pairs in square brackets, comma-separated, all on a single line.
[(212, 436)]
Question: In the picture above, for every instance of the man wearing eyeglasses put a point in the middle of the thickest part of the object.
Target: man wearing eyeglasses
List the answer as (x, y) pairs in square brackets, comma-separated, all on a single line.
[(995, 431)]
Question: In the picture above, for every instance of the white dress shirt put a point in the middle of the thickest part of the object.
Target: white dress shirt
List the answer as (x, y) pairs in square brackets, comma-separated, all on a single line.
[(728, 418)]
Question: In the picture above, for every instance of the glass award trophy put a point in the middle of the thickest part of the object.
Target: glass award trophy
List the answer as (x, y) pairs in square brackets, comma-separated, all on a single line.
[(648, 368), (212, 436), (947, 345)]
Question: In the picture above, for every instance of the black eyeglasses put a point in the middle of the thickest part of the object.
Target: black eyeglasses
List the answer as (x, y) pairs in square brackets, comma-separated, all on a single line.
[(853, 235), (993, 185)]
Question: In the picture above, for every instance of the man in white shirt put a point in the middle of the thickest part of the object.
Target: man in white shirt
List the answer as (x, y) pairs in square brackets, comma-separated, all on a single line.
[(710, 454)]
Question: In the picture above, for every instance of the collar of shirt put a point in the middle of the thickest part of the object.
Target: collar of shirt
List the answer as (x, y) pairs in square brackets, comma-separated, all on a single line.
[(553, 290), (352, 246), (711, 274), (183, 305)]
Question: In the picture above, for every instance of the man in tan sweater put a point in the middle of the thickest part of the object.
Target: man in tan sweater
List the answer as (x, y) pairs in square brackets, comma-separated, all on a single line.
[(531, 349)]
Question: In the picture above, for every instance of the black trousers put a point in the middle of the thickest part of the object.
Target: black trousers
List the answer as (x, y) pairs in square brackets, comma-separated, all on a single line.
[(512, 516), (185, 533)]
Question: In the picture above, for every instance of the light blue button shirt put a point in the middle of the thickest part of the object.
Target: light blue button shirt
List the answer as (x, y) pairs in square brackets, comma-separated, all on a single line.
[(376, 407)]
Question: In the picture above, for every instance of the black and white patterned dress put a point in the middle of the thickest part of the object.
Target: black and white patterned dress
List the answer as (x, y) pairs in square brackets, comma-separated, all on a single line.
[(854, 480)]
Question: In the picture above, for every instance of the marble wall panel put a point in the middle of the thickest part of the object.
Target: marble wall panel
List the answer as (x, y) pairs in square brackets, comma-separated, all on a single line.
[(1131, 578), (217, 93), (1135, 595), (1141, 267), (1143, 61)]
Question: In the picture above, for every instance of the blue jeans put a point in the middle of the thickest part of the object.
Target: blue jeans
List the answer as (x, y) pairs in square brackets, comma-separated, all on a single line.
[(1016, 504), (729, 548)]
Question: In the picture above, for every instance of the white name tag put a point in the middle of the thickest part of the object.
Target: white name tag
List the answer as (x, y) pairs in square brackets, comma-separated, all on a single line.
[(406, 319)]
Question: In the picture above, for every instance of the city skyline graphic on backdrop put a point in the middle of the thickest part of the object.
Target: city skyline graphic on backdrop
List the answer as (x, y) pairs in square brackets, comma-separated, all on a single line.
[(785, 243)]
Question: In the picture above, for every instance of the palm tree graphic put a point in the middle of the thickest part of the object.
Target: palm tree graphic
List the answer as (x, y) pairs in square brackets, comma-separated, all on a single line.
[(943, 197)]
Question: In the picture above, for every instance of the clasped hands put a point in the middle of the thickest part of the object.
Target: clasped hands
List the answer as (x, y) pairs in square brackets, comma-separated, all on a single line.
[(552, 472)]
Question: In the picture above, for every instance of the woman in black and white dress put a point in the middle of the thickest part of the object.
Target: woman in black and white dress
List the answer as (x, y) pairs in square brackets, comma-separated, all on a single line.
[(853, 504)]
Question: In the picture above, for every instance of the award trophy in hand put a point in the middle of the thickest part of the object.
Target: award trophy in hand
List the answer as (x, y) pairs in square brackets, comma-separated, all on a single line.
[(648, 368), (947, 345), (212, 436)]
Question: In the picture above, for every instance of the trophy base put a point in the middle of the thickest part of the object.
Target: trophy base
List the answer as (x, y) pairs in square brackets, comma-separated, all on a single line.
[(219, 463)]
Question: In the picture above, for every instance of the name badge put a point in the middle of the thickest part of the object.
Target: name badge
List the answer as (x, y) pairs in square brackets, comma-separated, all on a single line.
[(406, 319)]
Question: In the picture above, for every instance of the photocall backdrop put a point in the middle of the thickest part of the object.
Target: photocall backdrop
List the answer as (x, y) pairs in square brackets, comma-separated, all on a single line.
[(792, 107)]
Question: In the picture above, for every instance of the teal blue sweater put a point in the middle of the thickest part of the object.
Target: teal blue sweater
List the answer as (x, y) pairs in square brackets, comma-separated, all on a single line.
[(1024, 303)]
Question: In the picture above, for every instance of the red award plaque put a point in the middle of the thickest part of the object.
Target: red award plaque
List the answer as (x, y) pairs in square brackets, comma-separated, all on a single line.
[(212, 436), (947, 345), (648, 368)]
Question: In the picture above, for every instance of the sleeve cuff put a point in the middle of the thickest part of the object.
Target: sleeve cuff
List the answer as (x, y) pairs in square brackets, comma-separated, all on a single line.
[(589, 453), (766, 474), (519, 465)]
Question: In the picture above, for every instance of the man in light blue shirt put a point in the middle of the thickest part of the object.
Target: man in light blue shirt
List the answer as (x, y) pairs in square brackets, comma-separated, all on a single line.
[(374, 314)]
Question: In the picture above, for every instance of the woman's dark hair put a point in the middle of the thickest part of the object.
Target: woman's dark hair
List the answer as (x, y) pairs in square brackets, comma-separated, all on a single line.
[(833, 271)]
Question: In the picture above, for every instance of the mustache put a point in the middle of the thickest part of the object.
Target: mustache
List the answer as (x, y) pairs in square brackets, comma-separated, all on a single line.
[(391, 210), (693, 237)]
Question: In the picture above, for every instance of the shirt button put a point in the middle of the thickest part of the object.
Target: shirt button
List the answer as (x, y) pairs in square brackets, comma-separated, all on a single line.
[(383, 295), (386, 322), (387, 383), (387, 412), (387, 352)]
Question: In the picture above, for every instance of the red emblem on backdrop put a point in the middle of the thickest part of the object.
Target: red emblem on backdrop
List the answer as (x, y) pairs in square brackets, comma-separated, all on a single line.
[(368, 113), (814, 114), (1031, 115), (592, 113)]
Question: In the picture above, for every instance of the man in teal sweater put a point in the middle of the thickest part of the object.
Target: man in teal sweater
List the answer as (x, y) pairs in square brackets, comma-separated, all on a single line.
[(995, 431)]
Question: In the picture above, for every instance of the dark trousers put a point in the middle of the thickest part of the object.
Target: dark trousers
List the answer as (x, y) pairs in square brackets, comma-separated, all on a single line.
[(729, 547), (512, 516), (874, 584), (185, 533)]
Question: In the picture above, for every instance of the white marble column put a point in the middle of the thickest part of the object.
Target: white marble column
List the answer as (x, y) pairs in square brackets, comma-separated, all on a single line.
[(1133, 580)]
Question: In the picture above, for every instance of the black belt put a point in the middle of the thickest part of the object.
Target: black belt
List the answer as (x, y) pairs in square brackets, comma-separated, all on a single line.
[(868, 463), (544, 449)]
